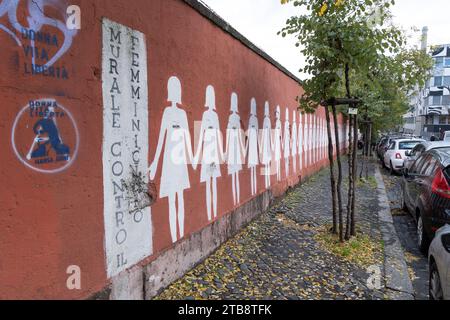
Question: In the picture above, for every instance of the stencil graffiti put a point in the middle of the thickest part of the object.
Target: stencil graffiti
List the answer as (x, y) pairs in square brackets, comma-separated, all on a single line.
[(45, 137), (37, 32)]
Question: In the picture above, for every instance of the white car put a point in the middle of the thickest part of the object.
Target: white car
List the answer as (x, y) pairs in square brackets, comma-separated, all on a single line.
[(439, 260), (394, 157)]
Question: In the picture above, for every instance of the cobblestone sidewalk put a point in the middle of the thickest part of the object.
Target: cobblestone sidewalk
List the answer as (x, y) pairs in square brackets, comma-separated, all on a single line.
[(281, 255)]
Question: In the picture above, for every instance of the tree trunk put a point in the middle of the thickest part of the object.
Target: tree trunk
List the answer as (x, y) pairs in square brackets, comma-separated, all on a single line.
[(332, 177), (350, 178), (355, 168), (339, 182)]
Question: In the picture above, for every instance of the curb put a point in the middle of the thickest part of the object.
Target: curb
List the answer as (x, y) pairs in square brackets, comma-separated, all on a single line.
[(397, 282)]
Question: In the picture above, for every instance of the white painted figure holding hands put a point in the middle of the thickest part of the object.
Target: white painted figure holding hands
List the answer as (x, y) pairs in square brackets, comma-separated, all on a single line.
[(175, 138), (277, 142), (235, 147), (266, 144), (253, 142), (210, 149), (294, 142), (300, 140), (287, 143)]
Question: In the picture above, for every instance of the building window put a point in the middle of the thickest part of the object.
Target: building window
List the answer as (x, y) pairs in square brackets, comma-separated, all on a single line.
[(437, 100), (447, 81), (447, 62), (443, 119), (446, 100), (426, 102), (439, 62), (437, 81), (429, 120)]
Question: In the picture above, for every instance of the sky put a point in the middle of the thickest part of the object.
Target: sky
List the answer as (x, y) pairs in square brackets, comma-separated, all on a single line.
[(260, 20)]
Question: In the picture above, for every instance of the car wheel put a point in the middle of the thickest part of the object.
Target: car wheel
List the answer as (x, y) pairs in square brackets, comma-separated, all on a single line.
[(422, 238), (436, 292)]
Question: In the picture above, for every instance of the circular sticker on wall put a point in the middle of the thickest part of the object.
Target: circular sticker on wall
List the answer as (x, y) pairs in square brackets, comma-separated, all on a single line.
[(45, 136)]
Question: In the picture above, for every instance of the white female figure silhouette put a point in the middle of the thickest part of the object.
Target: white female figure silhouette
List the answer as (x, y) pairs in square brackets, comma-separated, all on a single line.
[(306, 140), (210, 147), (266, 144), (174, 136), (320, 139), (235, 148), (324, 139), (314, 139), (287, 143), (253, 141), (294, 145), (300, 140), (277, 142)]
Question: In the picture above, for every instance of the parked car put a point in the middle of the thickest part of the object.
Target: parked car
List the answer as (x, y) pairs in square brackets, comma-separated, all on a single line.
[(394, 157), (384, 144), (415, 153), (439, 261), (426, 193), (380, 146)]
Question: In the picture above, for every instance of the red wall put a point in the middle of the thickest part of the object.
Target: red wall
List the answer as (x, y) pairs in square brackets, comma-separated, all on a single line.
[(51, 221)]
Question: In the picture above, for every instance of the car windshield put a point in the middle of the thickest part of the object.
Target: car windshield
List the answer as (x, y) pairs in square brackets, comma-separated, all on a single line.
[(408, 145)]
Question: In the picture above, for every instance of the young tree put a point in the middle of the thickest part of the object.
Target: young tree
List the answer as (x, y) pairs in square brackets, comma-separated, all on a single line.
[(346, 44)]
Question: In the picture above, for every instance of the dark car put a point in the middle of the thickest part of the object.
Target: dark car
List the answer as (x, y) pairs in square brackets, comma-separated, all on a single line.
[(426, 193), (384, 144)]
